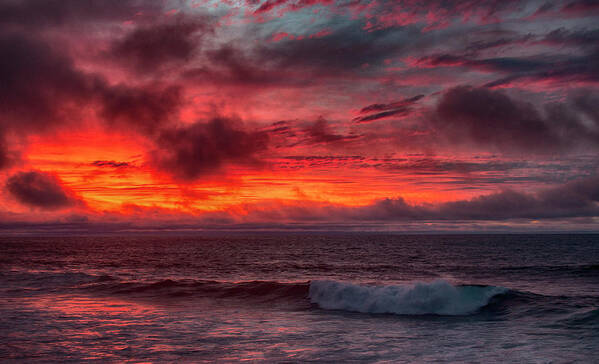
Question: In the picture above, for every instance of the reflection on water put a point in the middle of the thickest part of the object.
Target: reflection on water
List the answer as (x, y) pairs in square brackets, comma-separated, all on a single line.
[(92, 328)]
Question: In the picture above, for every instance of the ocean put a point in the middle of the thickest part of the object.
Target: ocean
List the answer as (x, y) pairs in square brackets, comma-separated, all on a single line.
[(300, 298)]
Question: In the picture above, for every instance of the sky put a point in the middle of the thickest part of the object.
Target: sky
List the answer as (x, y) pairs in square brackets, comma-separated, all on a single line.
[(160, 116)]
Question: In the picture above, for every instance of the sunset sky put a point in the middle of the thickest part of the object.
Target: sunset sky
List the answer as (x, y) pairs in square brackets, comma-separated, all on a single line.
[(128, 115)]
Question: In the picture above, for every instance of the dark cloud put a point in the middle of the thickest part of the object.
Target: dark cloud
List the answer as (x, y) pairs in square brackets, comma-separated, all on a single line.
[(579, 67), (285, 134), (400, 111), (149, 48), (42, 90), (40, 189), (574, 70), (492, 120), (581, 7), (348, 51), (191, 151), (113, 164), (321, 132), (146, 109), (229, 65), (398, 108), (344, 50), (383, 107), (39, 87), (574, 199), (507, 204), (563, 36)]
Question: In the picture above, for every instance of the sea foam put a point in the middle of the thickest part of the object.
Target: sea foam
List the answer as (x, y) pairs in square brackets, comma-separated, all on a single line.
[(438, 297)]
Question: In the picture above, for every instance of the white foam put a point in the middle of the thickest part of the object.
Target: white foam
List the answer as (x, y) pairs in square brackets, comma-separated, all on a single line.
[(437, 297)]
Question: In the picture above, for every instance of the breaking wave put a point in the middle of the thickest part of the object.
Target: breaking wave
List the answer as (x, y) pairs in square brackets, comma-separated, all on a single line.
[(438, 297)]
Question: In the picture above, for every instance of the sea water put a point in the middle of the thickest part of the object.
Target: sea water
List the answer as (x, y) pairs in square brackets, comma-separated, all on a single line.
[(300, 298)]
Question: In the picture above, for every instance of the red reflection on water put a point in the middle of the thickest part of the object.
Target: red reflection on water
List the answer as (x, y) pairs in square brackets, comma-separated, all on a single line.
[(91, 307), (99, 328)]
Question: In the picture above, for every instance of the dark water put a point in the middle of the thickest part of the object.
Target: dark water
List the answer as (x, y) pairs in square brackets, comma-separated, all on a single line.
[(335, 298)]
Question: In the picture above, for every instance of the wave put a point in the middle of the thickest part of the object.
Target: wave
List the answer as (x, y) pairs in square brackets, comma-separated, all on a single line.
[(204, 288), (438, 297)]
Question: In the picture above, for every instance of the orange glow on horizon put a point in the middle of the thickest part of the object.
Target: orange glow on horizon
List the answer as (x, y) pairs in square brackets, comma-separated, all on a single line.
[(109, 171)]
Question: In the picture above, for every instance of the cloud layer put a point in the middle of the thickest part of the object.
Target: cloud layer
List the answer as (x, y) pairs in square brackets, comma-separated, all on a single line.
[(301, 110)]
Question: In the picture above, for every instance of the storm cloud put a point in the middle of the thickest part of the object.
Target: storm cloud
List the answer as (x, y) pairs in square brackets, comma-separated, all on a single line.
[(40, 87), (493, 120), (149, 48), (40, 189), (203, 148)]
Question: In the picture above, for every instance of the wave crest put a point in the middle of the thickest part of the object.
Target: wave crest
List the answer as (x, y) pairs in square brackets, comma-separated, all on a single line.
[(438, 297)]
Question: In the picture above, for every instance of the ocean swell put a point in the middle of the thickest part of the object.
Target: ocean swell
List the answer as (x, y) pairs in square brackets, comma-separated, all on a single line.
[(438, 297), (203, 288)]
